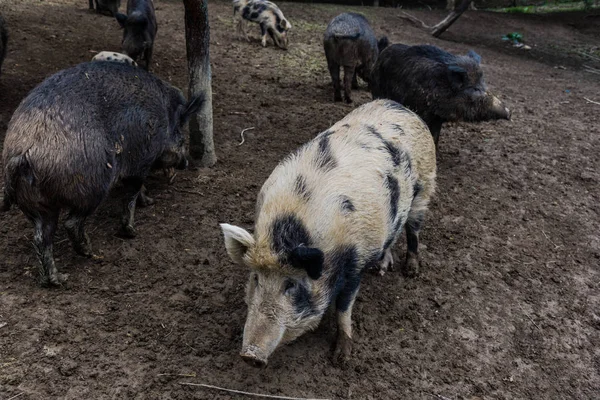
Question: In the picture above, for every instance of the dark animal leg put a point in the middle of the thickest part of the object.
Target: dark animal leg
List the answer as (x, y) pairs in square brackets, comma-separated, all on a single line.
[(435, 127), (334, 71), (412, 227), (148, 58), (143, 200), (75, 226), (44, 228), (344, 303), (355, 81), (348, 76), (133, 187), (263, 35), (91, 4)]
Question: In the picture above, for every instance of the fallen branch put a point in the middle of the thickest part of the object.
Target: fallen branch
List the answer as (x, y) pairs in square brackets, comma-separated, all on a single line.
[(14, 397), (269, 396), (533, 322), (589, 55), (591, 101), (242, 135), (414, 19)]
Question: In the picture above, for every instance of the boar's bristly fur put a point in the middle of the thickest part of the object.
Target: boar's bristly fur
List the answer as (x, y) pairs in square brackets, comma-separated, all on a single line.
[(435, 84), (349, 42), (331, 209), (78, 133), (3, 41)]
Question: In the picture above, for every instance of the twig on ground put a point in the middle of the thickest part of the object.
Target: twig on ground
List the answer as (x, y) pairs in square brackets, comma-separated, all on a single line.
[(242, 135), (414, 19), (550, 240), (18, 395), (533, 322), (172, 179), (591, 101), (269, 396), (439, 396), (188, 192), (589, 55)]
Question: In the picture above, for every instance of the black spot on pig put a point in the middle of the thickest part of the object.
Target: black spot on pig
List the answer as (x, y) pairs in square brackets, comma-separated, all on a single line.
[(345, 275), (347, 204), (417, 187), (394, 189), (254, 15), (309, 259), (289, 233), (398, 128), (394, 152), (302, 301), (301, 189), (325, 159)]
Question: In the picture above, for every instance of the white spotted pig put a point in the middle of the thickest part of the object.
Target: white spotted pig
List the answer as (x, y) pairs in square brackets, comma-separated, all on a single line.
[(114, 57), (268, 16), (328, 212)]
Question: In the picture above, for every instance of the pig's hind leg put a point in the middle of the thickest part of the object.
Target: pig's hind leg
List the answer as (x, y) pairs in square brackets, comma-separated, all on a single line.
[(75, 227), (334, 71), (348, 77), (263, 34), (45, 224), (133, 187)]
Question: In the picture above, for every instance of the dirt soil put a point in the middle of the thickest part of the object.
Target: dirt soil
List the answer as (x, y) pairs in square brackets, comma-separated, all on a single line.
[(508, 302)]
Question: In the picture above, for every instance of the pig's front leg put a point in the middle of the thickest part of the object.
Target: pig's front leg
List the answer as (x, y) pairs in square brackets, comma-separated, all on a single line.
[(344, 303), (133, 187)]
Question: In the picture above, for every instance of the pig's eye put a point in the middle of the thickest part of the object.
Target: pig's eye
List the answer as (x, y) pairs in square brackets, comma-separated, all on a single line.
[(290, 286)]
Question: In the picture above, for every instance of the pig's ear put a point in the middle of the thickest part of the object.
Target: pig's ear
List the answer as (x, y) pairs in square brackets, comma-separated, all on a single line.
[(309, 259), (457, 75), (191, 108), (237, 242), (383, 43), (121, 19), (474, 56)]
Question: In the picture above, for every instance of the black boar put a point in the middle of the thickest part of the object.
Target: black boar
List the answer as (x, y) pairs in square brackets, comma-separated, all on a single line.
[(350, 42), (77, 134), (3, 41), (329, 211), (106, 7), (435, 84), (139, 30), (268, 16)]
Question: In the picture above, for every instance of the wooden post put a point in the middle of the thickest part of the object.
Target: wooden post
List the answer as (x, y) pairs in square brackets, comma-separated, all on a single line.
[(197, 39)]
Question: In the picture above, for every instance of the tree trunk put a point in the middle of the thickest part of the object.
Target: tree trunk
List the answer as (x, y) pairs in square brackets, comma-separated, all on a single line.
[(440, 28), (197, 35)]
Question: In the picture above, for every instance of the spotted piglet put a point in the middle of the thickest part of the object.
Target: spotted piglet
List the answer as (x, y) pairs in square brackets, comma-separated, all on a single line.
[(268, 16), (328, 212), (114, 57)]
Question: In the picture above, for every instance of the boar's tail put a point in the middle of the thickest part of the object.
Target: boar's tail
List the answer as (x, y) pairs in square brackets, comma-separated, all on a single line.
[(15, 168)]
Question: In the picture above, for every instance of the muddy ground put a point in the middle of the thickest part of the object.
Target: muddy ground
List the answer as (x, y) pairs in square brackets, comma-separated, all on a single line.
[(507, 305)]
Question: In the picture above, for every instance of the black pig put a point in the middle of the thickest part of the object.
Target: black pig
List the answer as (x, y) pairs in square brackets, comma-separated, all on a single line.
[(350, 42), (106, 7), (139, 30), (77, 134), (3, 40), (435, 84)]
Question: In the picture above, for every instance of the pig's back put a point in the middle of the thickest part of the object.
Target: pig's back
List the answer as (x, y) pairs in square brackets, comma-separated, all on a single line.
[(351, 185)]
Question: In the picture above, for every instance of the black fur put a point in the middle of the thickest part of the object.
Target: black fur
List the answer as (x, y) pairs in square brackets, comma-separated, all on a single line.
[(347, 204), (106, 7), (309, 259), (301, 189), (302, 300), (395, 153), (139, 31), (417, 189), (345, 275), (392, 185), (325, 159)]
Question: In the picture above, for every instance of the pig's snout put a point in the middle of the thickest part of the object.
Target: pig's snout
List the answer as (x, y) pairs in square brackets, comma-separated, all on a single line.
[(499, 110), (251, 355), (183, 164)]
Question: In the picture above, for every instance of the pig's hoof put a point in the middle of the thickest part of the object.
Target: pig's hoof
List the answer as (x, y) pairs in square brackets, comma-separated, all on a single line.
[(144, 201), (348, 100), (411, 267), (387, 264), (343, 349), (54, 280), (128, 231)]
